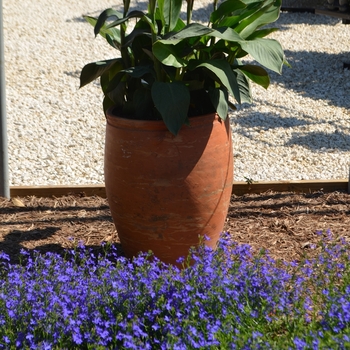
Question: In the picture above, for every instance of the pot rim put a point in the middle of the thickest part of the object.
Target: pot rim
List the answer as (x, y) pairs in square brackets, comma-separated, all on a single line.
[(117, 121)]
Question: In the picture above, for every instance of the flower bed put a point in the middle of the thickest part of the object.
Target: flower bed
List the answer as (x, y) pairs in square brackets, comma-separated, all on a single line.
[(226, 299)]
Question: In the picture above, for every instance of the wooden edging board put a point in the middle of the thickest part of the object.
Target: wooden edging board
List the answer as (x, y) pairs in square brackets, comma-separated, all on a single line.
[(333, 13), (238, 188)]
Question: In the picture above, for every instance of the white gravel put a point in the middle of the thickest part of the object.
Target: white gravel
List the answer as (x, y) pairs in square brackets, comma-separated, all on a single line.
[(298, 129)]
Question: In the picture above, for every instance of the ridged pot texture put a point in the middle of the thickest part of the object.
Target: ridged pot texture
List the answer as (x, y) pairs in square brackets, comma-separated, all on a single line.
[(166, 191)]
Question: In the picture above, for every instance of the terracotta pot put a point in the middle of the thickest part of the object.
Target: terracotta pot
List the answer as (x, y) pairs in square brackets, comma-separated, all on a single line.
[(165, 191)]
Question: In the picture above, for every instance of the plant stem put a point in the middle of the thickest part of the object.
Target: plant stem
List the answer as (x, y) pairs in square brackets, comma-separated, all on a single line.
[(189, 11), (157, 64), (123, 49)]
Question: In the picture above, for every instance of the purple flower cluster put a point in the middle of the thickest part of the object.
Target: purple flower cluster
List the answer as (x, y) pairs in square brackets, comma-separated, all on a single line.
[(227, 298)]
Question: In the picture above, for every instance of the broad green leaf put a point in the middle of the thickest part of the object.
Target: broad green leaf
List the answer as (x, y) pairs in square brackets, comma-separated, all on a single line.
[(139, 39), (115, 82), (104, 16), (226, 8), (256, 74), (261, 33), (244, 87), (285, 62), (91, 20), (172, 100), (109, 75), (272, 14), (114, 43), (227, 34), (242, 14), (107, 103), (230, 21), (267, 14), (250, 24), (117, 95), (267, 52), (179, 25), (92, 71), (190, 31), (224, 73), (114, 33), (167, 54), (104, 81), (139, 71), (197, 30), (138, 32), (254, 2), (219, 98), (148, 20), (132, 14), (170, 12)]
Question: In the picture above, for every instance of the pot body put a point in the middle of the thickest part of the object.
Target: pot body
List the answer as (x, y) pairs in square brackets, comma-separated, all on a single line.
[(165, 191)]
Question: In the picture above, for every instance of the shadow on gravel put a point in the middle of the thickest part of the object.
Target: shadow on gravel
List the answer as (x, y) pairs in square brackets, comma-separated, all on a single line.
[(316, 141), (322, 142), (267, 121), (317, 75)]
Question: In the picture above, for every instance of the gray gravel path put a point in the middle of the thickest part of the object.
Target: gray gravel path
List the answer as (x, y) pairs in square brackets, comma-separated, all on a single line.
[(298, 129)]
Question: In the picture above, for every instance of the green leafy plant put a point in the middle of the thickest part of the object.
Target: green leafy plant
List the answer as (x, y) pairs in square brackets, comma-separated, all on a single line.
[(173, 69)]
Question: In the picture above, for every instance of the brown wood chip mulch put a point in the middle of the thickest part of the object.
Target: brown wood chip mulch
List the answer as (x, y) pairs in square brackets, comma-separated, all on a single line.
[(283, 223)]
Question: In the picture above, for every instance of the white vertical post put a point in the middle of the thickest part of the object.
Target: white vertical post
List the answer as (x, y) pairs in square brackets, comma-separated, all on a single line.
[(4, 174)]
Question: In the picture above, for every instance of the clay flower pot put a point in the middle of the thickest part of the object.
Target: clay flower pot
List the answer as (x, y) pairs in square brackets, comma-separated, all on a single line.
[(165, 191)]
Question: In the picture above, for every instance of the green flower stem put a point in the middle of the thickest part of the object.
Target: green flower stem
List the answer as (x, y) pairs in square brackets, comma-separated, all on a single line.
[(212, 40), (152, 11), (126, 6), (157, 64), (231, 57), (123, 48), (151, 8), (189, 11)]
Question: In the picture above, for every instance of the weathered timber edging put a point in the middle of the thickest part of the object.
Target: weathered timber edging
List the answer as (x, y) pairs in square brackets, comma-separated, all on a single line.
[(238, 188), (345, 16)]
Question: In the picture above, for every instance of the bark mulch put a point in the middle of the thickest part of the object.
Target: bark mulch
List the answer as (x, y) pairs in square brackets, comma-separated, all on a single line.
[(283, 223)]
